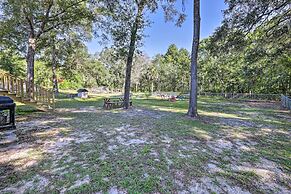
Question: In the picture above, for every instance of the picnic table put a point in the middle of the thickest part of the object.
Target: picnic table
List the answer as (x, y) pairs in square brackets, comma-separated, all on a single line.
[(114, 102)]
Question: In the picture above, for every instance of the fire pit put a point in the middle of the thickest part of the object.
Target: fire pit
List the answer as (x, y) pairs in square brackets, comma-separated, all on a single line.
[(7, 113)]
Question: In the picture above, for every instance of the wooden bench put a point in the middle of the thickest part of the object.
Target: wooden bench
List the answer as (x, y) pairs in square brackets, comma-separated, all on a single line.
[(110, 103)]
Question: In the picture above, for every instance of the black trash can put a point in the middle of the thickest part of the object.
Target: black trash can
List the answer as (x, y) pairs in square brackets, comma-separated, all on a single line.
[(7, 113)]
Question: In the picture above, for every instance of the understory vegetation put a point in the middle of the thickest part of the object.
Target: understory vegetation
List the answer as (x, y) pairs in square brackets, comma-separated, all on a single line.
[(240, 72)]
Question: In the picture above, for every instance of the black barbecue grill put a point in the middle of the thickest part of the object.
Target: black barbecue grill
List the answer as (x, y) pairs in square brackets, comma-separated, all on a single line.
[(7, 112)]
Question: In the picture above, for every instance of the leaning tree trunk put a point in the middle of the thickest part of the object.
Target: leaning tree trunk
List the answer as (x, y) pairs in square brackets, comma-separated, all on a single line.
[(130, 57), (192, 111), (30, 66), (54, 70)]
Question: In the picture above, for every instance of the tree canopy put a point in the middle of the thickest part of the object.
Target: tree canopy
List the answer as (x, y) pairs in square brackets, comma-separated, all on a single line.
[(248, 53)]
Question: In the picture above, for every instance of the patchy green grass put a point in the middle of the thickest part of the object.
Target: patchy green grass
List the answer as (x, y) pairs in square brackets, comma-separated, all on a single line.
[(233, 147), (23, 109)]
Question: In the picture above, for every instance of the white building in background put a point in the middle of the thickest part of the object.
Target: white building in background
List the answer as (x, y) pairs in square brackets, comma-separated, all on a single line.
[(83, 93)]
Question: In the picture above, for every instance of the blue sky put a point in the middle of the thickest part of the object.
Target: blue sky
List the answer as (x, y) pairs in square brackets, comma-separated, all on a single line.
[(161, 34)]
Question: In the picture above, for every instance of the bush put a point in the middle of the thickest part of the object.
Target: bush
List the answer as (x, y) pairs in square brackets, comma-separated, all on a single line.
[(65, 85), (147, 94)]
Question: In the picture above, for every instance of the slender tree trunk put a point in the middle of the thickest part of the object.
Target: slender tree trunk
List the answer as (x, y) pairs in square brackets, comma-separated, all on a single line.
[(130, 57), (192, 111), (174, 85), (158, 85), (54, 69), (30, 66)]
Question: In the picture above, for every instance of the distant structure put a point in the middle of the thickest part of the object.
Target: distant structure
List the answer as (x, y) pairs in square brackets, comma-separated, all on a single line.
[(83, 93)]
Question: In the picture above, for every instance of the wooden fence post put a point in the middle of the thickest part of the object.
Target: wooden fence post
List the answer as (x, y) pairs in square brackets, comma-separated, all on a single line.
[(18, 86), (3, 81), (21, 90), (8, 84)]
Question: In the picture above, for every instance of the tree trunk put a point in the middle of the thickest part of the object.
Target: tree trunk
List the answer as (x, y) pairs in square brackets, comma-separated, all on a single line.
[(192, 111), (54, 69), (30, 66), (136, 85), (130, 57), (158, 85)]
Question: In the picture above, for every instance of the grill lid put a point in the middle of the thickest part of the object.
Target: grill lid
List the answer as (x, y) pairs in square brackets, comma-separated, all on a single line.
[(5, 100), (82, 90)]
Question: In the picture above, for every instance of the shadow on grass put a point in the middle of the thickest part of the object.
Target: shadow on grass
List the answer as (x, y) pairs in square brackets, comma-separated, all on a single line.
[(78, 102), (23, 109), (259, 124), (155, 119), (30, 156)]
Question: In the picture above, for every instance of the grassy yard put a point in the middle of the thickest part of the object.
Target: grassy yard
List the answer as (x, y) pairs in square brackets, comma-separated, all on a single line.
[(234, 147)]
